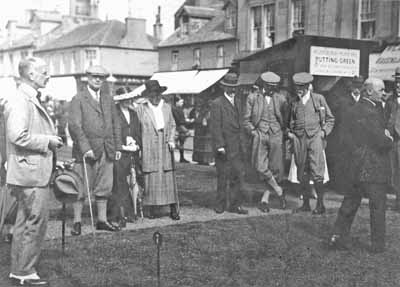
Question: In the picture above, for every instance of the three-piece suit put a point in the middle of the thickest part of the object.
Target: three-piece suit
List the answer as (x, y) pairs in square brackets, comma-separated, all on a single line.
[(265, 123)]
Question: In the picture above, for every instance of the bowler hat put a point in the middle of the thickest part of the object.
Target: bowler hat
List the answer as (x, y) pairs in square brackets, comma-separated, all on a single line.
[(397, 73), (230, 80), (302, 78), (270, 78), (97, 70), (153, 86)]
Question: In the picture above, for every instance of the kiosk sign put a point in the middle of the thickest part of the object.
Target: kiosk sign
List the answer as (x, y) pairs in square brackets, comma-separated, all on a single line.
[(326, 61)]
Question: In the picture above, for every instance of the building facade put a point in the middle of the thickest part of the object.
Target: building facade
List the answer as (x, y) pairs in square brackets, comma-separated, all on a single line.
[(263, 23), (124, 49), (202, 39)]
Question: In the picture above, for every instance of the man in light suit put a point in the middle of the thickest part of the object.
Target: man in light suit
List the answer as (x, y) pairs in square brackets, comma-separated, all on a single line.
[(264, 122), (94, 127), (225, 129), (31, 143)]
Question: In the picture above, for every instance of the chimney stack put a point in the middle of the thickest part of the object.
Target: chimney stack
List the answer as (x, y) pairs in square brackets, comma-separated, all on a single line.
[(135, 34), (11, 31), (157, 27)]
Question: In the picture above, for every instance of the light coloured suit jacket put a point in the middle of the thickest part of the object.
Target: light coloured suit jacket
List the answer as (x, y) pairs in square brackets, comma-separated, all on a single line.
[(29, 127), (147, 134)]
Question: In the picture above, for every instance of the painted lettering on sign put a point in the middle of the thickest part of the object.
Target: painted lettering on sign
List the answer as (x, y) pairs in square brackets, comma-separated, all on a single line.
[(326, 61)]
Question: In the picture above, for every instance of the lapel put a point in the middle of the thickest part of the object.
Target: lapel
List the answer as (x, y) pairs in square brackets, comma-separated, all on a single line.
[(149, 113), (89, 99), (42, 110), (165, 114), (231, 109)]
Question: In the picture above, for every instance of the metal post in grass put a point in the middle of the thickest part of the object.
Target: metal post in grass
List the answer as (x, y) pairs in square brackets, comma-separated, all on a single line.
[(157, 237)]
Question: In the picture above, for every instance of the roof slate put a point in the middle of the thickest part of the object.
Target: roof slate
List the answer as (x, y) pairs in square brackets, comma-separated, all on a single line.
[(108, 33), (201, 12), (210, 32)]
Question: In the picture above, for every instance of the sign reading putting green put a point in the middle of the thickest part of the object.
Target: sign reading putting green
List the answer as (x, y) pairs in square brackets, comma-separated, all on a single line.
[(326, 61)]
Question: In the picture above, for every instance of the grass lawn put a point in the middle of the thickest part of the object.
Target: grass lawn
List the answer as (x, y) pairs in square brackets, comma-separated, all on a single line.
[(281, 250)]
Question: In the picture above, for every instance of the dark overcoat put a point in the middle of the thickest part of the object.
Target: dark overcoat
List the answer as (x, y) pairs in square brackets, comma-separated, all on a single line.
[(225, 126), (370, 160), (94, 126)]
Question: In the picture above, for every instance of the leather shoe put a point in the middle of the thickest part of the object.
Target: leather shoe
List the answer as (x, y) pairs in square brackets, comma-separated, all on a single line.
[(107, 226), (76, 229), (263, 207), (183, 160), (219, 209), (303, 208), (175, 216), (238, 210), (29, 282)]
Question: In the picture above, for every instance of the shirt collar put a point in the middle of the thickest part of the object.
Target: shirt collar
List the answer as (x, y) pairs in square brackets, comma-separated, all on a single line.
[(93, 92), (230, 99), (28, 90), (306, 97)]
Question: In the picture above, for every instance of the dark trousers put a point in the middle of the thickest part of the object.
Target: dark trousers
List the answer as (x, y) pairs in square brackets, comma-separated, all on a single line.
[(230, 178), (377, 206)]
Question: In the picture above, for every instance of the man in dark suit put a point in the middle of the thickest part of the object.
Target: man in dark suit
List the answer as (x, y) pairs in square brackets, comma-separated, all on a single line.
[(370, 168), (393, 107), (225, 129), (95, 130), (310, 123)]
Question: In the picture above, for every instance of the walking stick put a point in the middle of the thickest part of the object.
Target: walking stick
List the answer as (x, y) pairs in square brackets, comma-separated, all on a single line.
[(174, 181), (63, 228), (89, 198)]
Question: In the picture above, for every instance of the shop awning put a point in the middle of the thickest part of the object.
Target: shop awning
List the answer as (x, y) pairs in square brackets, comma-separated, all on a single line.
[(382, 66), (205, 79), (248, 78), (61, 88), (185, 82)]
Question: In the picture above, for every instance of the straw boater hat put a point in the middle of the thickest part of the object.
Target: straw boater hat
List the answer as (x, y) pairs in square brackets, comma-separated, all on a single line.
[(153, 86), (230, 80)]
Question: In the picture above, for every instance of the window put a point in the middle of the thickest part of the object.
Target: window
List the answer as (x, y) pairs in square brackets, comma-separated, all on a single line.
[(256, 27), (298, 17), (220, 57), (185, 24), (230, 17), (174, 60), (269, 17), (196, 57), (367, 19), (91, 56), (263, 26)]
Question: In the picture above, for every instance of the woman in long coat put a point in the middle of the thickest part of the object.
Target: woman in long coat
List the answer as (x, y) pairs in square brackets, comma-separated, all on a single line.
[(155, 131), (121, 204)]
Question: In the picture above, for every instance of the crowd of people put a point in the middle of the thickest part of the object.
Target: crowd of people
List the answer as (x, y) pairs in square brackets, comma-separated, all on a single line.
[(125, 142)]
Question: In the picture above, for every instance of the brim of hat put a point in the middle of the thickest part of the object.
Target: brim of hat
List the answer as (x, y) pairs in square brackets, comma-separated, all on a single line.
[(122, 97), (228, 84), (161, 90)]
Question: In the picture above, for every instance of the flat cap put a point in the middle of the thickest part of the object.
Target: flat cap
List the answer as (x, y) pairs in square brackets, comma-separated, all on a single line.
[(270, 78), (97, 70), (302, 78)]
